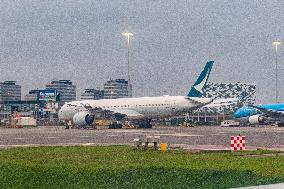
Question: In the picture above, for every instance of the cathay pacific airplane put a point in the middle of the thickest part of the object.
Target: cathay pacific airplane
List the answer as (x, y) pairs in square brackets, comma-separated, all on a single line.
[(261, 114), (143, 109)]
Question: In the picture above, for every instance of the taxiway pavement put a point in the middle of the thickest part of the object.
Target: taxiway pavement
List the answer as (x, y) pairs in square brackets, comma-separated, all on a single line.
[(194, 138)]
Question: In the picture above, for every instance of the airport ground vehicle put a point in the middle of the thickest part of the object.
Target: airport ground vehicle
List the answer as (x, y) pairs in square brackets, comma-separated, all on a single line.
[(26, 121), (230, 123)]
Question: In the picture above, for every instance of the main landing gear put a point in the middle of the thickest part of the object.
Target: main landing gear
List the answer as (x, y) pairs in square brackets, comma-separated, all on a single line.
[(145, 123), (116, 121)]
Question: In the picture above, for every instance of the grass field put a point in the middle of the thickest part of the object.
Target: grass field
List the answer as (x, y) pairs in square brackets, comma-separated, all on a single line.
[(124, 167)]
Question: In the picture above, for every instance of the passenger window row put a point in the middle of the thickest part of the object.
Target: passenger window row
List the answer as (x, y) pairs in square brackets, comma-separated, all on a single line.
[(140, 105)]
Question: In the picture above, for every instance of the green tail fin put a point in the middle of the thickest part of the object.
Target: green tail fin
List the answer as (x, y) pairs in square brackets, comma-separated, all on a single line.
[(197, 89)]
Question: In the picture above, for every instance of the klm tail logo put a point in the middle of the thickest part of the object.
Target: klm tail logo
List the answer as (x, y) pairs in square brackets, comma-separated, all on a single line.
[(197, 88)]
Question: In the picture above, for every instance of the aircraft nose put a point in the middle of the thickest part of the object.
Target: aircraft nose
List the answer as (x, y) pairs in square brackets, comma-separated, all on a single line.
[(237, 114), (60, 115), (244, 112)]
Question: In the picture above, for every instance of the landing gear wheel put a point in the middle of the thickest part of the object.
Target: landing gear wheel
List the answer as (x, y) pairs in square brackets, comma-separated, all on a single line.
[(146, 124), (116, 121), (281, 124), (115, 126)]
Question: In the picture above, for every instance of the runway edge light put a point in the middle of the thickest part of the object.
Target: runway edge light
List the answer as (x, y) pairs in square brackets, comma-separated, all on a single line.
[(164, 147)]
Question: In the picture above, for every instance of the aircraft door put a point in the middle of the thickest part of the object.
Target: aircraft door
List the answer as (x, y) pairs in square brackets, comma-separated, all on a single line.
[(169, 106)]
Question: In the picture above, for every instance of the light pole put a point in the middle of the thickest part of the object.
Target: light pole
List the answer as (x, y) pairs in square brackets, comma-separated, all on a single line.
[(128, 35), (276, 43)]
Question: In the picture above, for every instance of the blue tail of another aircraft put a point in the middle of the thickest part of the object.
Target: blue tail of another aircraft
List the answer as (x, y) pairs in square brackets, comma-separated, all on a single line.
[(197, 89)]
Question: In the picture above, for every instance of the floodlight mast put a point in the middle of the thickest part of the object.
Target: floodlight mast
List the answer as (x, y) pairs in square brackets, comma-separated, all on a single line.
[(276, 43), (128, 35)]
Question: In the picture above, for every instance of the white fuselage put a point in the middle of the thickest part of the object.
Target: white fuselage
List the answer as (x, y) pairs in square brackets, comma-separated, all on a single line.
[(145, 106)]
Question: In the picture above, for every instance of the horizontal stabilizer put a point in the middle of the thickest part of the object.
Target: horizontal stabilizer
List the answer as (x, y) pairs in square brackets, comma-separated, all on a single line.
[(201, 101), (223, 102)]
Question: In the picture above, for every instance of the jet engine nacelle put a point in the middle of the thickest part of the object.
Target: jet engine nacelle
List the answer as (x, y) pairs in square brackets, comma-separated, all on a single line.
[(83, 118), (256, 119)]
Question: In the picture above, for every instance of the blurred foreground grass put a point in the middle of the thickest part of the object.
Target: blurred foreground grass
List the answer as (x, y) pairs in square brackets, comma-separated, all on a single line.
[(124, 167)]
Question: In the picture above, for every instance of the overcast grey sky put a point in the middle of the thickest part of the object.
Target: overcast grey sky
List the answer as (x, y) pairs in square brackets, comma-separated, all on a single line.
[(81, 40)]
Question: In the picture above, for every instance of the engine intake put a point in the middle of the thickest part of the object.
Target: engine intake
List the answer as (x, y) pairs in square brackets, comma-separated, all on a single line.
[(83, 118), (256, 119)]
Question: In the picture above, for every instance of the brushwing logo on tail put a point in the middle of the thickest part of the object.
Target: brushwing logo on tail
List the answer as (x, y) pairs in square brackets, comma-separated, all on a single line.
[(197, 88)]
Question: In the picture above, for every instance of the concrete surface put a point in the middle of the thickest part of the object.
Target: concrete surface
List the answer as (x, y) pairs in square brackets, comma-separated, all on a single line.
[(192, 138)]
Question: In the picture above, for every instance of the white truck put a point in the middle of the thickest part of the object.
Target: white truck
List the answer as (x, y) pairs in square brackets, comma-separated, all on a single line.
[(230, 123), (26, 121)]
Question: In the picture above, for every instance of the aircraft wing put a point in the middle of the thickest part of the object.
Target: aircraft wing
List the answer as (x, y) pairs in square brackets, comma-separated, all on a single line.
[(127, 112), (270, 113), (223, 102)]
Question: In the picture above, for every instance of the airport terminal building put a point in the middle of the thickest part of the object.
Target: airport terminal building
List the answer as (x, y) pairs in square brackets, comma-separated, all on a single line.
[(37, 103), (9, 91), (92, 94), (246, 93), (117, 88), (65, 89)]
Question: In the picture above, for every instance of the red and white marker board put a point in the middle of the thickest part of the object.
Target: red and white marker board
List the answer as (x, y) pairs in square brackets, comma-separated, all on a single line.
[(238, 143)]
